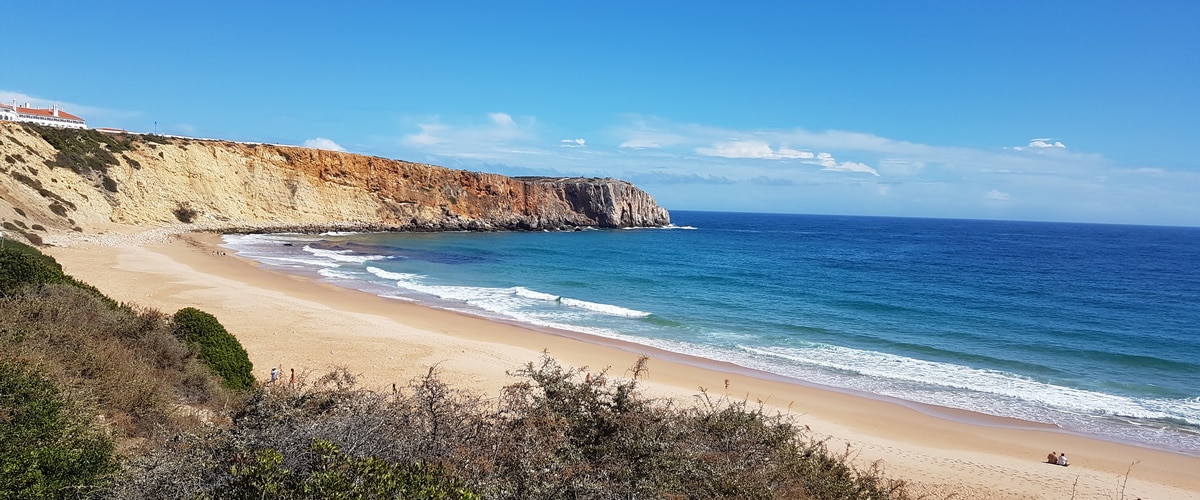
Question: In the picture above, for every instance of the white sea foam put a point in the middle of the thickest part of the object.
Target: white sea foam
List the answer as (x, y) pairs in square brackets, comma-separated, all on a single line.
[(603, 308), (668, 226), (332, 272), (342, 255), (884, 367), (261, 239), (531, 294), (503, 301), (267, 259), (388, 275)]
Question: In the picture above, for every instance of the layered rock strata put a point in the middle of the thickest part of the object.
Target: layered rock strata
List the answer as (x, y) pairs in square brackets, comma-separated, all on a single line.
[(57, 180)]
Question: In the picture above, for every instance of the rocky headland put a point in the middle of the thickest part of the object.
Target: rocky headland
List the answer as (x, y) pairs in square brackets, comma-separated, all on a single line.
[(83, 180)]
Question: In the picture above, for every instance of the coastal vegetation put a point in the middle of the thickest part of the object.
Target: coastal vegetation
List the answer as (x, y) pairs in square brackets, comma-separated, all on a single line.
[(83, 150), (108, 400), (220, 350)]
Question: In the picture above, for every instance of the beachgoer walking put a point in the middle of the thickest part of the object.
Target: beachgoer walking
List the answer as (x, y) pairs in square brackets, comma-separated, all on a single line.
[(274, 374), (1062, 460)]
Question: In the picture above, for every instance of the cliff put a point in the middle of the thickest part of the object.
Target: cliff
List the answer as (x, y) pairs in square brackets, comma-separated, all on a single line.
[(54, 179)]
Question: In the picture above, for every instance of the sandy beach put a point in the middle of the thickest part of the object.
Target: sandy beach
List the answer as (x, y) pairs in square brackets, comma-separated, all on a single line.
[(295, 323)]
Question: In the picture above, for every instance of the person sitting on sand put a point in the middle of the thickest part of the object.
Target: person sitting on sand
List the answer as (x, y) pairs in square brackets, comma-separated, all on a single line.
[(1062, 460), (1052, 458)]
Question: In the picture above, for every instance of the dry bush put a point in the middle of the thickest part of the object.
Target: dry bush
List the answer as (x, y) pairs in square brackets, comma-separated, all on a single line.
[(126, 363), (554, 433)]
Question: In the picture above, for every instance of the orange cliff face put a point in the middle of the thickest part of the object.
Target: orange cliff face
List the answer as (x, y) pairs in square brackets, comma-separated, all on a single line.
[(89, 179)]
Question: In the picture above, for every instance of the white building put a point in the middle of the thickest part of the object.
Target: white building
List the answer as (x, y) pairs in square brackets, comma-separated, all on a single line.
[(53, 116)]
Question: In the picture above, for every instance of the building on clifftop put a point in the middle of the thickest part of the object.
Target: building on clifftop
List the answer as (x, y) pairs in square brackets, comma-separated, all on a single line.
[(53, 116)]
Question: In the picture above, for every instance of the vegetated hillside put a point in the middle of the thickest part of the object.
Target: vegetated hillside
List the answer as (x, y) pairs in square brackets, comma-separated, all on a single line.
[(104, 400), (85, 380), (78, 179)]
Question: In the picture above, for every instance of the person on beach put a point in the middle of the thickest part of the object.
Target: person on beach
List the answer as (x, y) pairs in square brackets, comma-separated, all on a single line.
[(1052, 458), (274, 374), (1062, 460)]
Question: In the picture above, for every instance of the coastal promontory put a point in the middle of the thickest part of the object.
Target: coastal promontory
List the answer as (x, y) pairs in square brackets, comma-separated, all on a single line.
[(59, 179)]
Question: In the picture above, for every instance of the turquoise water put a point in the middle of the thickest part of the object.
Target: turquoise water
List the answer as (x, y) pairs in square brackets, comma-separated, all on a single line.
[(1094, 328)]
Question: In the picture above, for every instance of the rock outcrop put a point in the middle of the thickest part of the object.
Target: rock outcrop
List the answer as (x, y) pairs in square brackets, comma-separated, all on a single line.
[(58, 179)]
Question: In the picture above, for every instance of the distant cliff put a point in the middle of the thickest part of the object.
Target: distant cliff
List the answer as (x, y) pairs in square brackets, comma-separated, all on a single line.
[(81, 179)]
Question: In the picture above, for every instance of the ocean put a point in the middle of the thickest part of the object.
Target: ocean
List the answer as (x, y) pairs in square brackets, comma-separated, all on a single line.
[(1094, 328)]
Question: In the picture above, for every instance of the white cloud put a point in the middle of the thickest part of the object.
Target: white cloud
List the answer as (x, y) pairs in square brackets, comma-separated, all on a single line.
[(850, 166), (752, 149), (573, 143), (1046, 143), (829, 163), (502, 119), (428, 136), (759, 150), (997, 195), (323, 143)]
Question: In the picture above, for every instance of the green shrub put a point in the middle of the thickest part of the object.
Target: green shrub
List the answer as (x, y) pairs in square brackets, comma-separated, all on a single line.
[(22, 265), (185, 213), (33, 238), (58, 209), (153, 138), (219, 349), (331, 474), (48, 448), (86, 151)]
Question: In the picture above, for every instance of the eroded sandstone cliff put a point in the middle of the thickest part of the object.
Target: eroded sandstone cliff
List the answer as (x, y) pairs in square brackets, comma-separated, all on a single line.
[(55, 179)]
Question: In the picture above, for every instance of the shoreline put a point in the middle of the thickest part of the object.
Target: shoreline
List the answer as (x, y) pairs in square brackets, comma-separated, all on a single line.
[(391, 341)]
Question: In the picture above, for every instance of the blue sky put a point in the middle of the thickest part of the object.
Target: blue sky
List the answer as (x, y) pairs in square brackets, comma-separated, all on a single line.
[(1065, 111)]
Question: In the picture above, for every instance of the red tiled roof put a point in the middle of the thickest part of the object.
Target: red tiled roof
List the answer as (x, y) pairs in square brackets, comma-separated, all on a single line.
[(49, 113)]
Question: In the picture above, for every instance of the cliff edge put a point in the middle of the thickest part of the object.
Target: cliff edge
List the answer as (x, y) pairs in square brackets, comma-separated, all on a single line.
[(57, 179)]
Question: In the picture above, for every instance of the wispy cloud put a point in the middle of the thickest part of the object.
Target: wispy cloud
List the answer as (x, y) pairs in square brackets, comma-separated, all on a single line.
[(818, 171), (498, 138), (997, 195), (649, 133)]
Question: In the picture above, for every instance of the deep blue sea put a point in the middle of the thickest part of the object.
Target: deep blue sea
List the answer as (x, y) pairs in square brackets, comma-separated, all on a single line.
[(1095, 328)]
